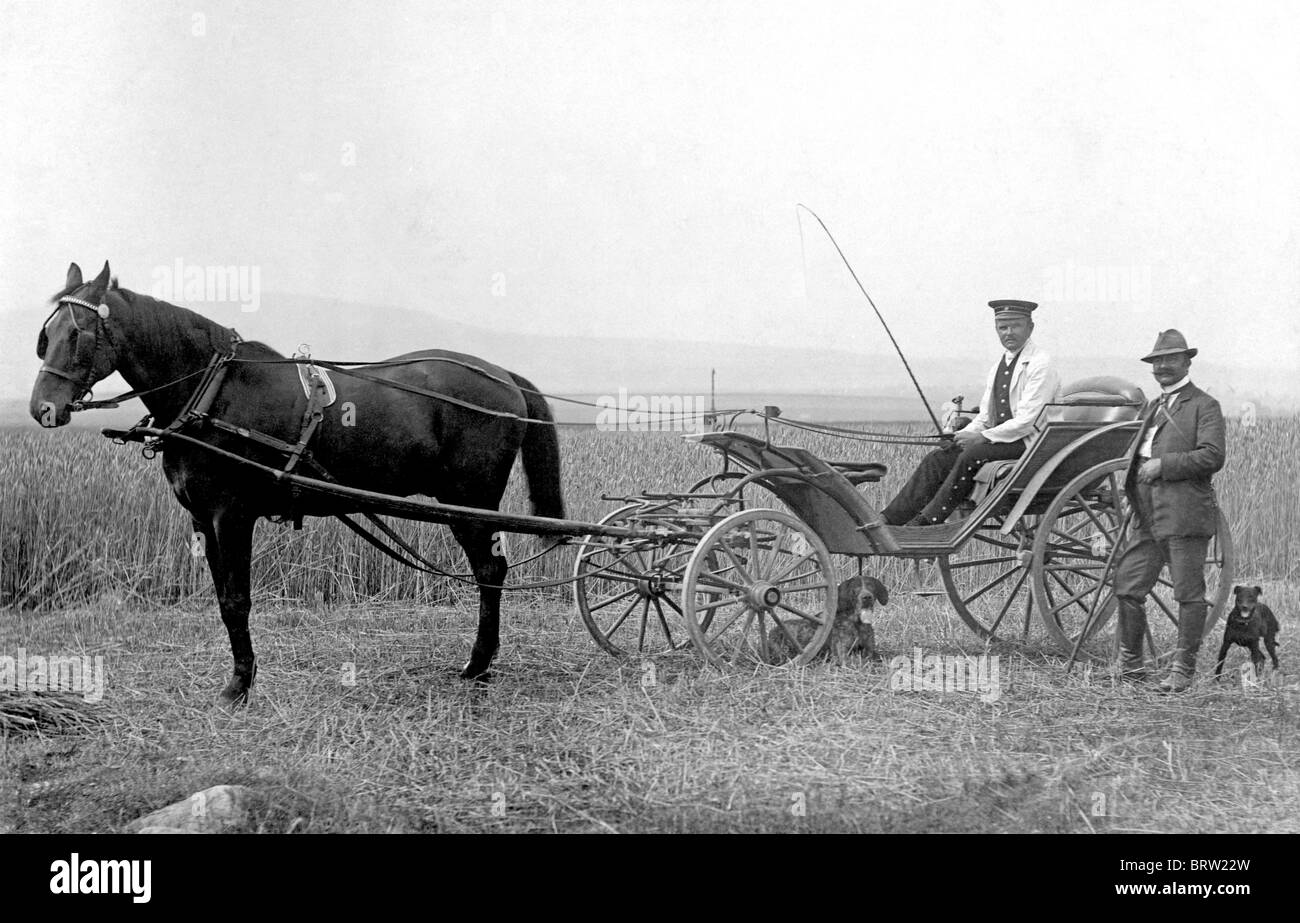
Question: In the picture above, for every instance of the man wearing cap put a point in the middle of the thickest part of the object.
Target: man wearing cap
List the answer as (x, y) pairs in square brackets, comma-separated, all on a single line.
[(1180, 446), (1018, 386)]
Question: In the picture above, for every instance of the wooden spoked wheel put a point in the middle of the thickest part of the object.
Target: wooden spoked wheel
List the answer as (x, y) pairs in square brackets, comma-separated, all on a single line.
[(626, 590), (987, 581), (760, 588), (1083, 533)]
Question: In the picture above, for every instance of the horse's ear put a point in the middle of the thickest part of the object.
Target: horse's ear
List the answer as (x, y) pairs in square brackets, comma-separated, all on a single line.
[(101, 280), (72, 283)]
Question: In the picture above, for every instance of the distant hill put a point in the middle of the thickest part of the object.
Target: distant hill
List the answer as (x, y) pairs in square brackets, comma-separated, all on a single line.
[(822, 382)]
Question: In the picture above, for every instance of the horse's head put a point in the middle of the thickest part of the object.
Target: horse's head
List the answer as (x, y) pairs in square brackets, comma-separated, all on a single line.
[(76, 346)]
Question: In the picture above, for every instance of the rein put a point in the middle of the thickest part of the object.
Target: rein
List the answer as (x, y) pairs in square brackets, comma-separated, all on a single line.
[(213, 375), (343, 369)]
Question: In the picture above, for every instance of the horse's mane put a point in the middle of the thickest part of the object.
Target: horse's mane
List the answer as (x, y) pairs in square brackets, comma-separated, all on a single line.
[(168, 323)]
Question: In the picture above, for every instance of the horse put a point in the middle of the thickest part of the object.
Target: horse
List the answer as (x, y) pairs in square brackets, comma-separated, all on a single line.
[(459, 449)]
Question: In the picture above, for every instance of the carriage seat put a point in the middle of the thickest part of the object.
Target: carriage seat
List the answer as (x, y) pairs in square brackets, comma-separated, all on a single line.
[(1098, 399)]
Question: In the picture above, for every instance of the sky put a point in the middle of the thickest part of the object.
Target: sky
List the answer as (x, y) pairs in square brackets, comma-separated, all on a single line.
[(633, 169)]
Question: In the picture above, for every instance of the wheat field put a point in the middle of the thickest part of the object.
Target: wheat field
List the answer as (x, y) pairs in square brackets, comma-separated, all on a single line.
[(83, 519), (358, 722)]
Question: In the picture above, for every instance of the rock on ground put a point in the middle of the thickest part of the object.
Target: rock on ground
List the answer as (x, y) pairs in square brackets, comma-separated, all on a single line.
[(209, 811)]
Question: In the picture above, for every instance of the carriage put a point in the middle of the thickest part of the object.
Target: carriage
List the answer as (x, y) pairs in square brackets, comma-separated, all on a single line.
[(741, 565), (749, 552)]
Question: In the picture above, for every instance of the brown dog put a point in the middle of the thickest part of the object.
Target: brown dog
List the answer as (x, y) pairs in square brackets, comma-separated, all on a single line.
[(1250, 622), (851, 633)]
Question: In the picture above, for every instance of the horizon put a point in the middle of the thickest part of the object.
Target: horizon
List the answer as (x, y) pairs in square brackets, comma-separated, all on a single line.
[(605, 371)]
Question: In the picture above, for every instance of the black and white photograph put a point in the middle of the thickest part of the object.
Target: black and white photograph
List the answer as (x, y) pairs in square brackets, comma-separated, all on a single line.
[(656, 418)]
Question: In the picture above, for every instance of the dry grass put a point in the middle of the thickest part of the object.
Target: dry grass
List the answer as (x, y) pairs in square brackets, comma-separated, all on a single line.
[(94, 559), (566, 738), (31, 711)]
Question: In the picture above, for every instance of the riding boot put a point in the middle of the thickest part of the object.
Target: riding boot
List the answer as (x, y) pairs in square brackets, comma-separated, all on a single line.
[(1191, 625), (1132, 632)]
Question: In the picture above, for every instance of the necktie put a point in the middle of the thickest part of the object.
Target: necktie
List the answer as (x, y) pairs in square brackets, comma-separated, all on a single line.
[(1159, 418)]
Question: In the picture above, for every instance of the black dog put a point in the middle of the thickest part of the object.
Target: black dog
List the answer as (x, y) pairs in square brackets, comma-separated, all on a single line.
[(1249, 622)]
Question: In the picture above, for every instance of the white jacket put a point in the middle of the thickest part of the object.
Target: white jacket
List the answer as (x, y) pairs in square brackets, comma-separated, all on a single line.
[(1034, 382)]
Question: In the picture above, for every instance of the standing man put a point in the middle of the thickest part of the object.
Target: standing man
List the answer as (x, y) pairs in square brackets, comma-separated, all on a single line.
[(1180, 445), (1018, 386)]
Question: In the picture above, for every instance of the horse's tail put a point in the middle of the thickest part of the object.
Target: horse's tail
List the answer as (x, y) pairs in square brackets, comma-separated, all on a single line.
[(541, 453)]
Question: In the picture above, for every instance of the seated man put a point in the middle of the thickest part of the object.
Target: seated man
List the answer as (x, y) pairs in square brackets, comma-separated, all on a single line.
[(1018, 387)]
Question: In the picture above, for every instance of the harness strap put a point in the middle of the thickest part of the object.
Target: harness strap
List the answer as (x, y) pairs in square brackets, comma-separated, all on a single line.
[(251, 434), (311, 419), (203, 395), (425, 392)]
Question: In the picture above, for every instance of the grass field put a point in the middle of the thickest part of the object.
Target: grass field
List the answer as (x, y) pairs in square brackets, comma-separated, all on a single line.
[(95, 558), (567, 738)]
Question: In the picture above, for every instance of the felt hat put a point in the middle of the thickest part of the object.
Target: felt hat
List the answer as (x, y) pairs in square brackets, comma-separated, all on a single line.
[(1169, 343)]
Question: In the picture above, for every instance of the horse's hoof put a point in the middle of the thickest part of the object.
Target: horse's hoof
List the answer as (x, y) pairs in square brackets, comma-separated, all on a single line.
[(477, 674), (231, 697), (235, 694)]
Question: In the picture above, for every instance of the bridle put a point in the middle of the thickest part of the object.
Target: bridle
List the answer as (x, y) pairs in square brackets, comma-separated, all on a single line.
[(87, 349)]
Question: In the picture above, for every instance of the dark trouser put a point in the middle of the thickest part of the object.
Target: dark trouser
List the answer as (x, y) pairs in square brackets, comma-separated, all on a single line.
[(1140, 564), (1136, 573), (943, 479)]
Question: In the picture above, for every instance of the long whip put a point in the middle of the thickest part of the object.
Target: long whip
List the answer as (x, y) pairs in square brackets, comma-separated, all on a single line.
[(879, 316)]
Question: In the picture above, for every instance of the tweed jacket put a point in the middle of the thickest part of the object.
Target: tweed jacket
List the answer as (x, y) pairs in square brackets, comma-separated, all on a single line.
[(1034, 382), (1190, 444)]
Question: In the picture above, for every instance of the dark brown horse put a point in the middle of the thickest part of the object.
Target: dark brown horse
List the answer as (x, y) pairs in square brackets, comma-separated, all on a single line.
[(395, 441)]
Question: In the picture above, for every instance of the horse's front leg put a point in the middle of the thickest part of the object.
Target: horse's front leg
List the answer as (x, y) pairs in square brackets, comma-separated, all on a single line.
[(229, 540), (488, 562)]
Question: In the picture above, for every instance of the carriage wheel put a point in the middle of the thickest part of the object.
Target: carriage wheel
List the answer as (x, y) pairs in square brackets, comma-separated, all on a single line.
[(1074, 558), (625, 589), (987, 581), (760, 588)]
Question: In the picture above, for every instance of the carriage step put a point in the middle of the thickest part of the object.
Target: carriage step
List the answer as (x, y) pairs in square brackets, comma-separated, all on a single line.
[(927, 536)]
